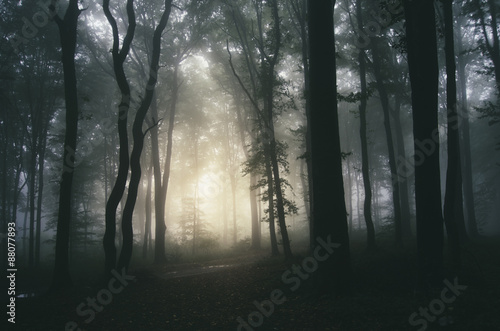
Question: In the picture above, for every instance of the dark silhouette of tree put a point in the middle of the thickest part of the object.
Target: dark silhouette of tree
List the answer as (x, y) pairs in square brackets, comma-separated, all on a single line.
[(365, 169), (329, 210), (298, 11), (465, 144), (67, 33), (268, 46), (138, 135), (423, 68), (119, 57), (453, 201)]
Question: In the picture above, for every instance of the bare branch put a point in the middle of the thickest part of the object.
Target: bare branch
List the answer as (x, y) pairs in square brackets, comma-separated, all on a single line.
[(254, 103)]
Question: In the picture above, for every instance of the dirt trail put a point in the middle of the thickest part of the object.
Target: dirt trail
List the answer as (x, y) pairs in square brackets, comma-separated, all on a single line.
[(194, 269)]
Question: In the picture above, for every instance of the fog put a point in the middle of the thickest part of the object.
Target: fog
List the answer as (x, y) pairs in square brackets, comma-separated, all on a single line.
[(229, 143)]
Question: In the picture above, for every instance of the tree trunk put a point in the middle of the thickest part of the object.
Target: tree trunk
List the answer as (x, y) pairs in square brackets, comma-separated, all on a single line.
[(270, 195), (349, 195), (401, 231), (423, 68), (138, 135), (32, 189), (159, 198), (224, 218), (67, 32), (160, 228), (329, 211), (365, 169), (453, 204), (232, 179), (147, 207), (118, 190), (358, 210), (300, 11), (466, 159), (253, 181), (279, 199), (255, 217), (267, 81), (41, 162), (403, 184)]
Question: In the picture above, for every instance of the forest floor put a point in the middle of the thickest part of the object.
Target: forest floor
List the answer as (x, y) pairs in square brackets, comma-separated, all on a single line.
[(219, 294)]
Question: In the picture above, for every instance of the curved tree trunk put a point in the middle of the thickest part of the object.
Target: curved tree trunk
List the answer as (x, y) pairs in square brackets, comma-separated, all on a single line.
[(138, 135), (118, 190)]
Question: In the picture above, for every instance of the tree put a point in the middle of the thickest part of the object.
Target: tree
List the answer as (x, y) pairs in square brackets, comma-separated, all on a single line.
[(466, 160), (423, 68), (453, 201), (298, 10), (138, 135), (67, 33), (268, 45), (329, 210), (364, 140), (119, 57)]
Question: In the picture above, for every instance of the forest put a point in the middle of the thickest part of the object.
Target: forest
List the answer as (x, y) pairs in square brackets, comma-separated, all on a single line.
[(250, 164)]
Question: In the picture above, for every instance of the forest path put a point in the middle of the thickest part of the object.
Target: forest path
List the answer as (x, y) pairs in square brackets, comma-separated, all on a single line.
[(182, 270)]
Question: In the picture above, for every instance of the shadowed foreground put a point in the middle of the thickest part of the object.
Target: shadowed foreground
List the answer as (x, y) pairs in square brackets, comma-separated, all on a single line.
[(212, 295)]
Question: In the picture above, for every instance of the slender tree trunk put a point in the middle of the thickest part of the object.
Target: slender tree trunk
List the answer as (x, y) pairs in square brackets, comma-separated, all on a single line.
[(147, 207), (402, 230), (349, 195), (453, 204), (118, 190), (195, 200), (270, 195), (358, 209), (160, 229), (329, 211), (232, 179), (25, 238), (32, 184), (67, 32), (365, 169), (41, 162), (401, 155), (138, 135), (279, 200), (305, 190), (267, 81), (224, 218), (159, 198), (254, 215), (256, 237), (299, 9), (466, 159)]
